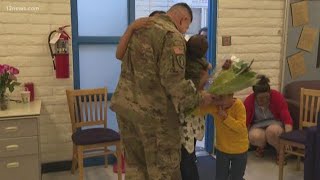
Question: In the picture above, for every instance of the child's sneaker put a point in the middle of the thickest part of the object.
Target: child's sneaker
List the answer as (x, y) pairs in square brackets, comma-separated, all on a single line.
[(259, 152)]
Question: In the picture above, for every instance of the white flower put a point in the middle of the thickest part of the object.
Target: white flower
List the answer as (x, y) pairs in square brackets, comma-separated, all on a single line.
[(235, 59)]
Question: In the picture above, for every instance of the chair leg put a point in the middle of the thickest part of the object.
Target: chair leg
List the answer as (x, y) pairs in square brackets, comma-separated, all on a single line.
[(74, 159), (281, 160), (119, 161), (106, 158), (80, 162), (298, 163)]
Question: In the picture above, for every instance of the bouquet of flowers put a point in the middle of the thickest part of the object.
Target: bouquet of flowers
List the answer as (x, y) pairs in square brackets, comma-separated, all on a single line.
[(8, 80), (236, 75)]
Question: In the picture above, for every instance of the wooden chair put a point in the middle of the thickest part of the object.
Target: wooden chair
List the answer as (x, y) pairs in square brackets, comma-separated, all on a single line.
[(309, 108), (90, 135)]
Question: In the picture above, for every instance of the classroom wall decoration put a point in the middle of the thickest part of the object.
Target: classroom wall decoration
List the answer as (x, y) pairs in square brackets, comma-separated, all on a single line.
[(307, 38), (300, 15), (302, 48), (296, 65)]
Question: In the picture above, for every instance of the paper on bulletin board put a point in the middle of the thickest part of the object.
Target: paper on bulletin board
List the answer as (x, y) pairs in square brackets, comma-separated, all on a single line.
[(296, 65), (307, 38), (300, 13)]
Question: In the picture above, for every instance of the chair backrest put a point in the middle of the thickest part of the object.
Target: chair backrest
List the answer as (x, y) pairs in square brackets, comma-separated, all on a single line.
[(309, 107), (87, 107)]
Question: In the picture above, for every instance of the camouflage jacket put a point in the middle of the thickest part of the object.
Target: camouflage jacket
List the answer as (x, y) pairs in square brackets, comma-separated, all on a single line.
[(152, 80)]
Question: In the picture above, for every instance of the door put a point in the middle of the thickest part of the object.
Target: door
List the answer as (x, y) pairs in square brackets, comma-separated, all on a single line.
[(96, 29)]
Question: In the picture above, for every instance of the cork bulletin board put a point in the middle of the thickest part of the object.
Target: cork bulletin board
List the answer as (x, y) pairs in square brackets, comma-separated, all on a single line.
[(301, 53)]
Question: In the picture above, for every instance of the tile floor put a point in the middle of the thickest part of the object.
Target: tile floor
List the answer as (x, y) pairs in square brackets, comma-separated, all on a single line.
[(257, 169), (267, 169)]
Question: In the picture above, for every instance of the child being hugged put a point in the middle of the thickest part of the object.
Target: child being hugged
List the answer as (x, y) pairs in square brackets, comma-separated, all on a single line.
[(196, 64), (193, 125)]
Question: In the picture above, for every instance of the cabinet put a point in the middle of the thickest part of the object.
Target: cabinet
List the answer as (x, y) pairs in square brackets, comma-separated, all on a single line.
[(20, 142)]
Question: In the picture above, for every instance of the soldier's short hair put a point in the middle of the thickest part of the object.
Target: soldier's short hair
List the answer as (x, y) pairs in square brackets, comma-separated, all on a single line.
[(185, 6), (156, 12)]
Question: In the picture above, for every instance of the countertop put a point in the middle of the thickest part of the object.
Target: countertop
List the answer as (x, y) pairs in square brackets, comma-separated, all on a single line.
[(20, 109)]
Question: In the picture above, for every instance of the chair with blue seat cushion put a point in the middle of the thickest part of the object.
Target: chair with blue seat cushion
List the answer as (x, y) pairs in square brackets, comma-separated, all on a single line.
[(90, 135), (296, 140), (310, 154)]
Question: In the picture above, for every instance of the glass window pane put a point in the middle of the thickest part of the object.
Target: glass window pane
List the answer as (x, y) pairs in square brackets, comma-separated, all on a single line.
[(199, 9), (98, 66), (102, 18)]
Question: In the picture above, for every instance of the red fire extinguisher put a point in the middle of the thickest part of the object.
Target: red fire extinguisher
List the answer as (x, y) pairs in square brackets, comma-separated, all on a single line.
[(60, 57)]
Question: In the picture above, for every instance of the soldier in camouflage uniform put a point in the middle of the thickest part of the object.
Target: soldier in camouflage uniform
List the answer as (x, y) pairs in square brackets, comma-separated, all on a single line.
[(151, 92)]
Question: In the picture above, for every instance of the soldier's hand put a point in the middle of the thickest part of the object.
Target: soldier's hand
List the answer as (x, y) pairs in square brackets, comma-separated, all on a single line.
[(206, 98)]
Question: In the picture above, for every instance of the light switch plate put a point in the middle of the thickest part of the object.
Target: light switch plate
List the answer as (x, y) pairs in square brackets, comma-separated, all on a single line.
[(226, 40)]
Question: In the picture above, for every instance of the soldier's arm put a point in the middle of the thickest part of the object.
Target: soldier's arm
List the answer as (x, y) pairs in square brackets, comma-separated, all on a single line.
[(123, 43), (172, 62)]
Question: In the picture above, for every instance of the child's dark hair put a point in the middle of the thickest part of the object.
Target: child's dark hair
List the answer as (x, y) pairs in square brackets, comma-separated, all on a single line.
[(197, 46), (156, 12), (262, 86)]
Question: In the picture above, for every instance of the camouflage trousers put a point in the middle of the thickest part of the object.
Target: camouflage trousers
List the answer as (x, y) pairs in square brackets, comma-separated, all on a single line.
[(152, 148)]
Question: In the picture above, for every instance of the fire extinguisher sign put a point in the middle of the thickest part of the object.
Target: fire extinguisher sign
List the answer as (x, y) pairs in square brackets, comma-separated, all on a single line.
[(55, 38)]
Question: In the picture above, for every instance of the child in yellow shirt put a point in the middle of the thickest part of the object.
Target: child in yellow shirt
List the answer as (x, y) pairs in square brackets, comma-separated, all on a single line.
[(232, 137)]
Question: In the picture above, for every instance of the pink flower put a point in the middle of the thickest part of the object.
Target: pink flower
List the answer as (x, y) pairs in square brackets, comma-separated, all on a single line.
[(13, 70), (1, 69), (8, 78), (6, 67)]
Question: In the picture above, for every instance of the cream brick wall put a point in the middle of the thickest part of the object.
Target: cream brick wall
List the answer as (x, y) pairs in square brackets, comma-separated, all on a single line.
[(23, 43), (256, 30)]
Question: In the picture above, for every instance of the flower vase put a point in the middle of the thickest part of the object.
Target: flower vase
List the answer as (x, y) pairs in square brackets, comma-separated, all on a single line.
[(4, 100)]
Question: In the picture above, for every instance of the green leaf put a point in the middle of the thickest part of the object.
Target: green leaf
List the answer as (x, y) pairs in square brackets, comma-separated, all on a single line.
[(239, 83), (224, 76), (235, 79), (15, 83), (11, 88)]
